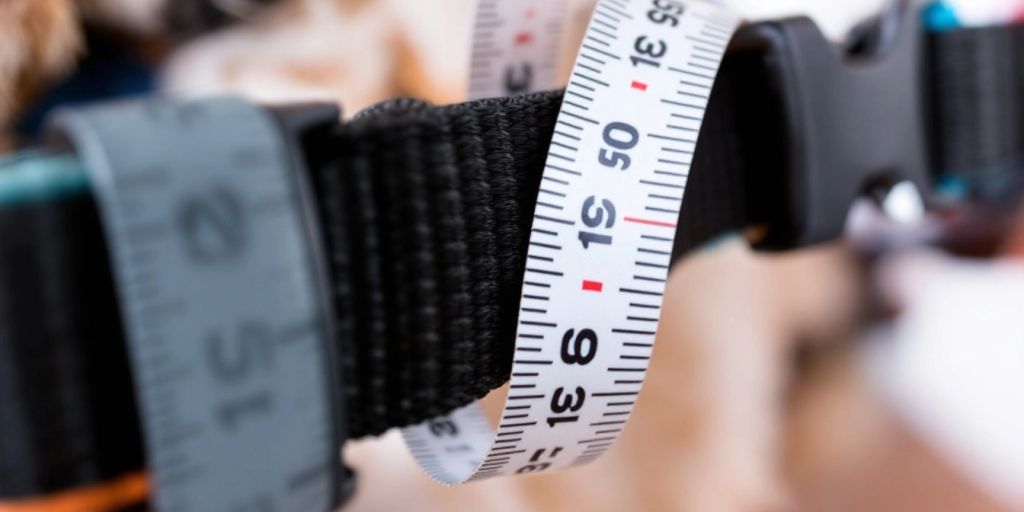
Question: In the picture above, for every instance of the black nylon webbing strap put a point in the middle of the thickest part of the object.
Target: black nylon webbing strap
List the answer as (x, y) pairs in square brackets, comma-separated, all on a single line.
[(67, 410), (977, 103), (425, 214)]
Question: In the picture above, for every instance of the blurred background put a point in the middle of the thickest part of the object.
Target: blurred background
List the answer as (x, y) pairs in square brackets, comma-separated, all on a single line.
[(823, 380)]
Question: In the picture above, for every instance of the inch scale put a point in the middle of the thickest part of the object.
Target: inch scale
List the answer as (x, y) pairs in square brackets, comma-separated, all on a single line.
[(602, 237)]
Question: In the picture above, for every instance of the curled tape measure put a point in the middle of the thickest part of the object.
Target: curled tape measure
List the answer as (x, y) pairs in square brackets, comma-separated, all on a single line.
[(602, 233), (224, 316)]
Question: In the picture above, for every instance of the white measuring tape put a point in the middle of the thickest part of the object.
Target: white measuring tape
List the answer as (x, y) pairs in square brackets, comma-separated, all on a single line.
[(515, 47), (603, 229)]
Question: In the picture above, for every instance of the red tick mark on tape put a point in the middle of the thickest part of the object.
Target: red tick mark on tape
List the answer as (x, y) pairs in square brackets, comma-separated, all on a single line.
[(524, 38), (529, 13), (592, 286), (648, 222), (640, 86)]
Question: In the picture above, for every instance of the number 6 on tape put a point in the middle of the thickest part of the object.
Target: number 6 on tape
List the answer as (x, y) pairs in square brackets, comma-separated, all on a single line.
[(602, 234)]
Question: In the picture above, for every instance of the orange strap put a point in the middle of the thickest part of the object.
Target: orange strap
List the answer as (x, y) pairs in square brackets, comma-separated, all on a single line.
[(108, 496)]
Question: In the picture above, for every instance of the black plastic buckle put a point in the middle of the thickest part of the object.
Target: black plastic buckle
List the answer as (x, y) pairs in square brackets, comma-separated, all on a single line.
[(851, 122)]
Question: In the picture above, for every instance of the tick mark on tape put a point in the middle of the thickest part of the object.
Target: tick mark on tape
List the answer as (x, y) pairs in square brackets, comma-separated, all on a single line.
[(524, 38), (640, 86), (592, 286), (649, 222)]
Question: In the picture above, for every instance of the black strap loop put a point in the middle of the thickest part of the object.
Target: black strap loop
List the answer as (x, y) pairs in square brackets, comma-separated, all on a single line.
[(977, 109)]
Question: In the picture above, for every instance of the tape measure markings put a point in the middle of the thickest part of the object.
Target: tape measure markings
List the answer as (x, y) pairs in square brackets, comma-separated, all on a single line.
[(222, 310), (594, 280), (515, 46)]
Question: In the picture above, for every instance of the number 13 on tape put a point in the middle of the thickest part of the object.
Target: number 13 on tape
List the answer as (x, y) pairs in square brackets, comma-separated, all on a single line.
[(603, 229)]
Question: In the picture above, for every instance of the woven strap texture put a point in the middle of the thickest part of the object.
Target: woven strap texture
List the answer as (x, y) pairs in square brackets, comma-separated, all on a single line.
[(67, 412)]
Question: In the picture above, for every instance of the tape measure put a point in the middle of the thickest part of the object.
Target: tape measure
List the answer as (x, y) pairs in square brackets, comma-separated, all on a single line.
[(603, 230), (515, 47), (222, 306)]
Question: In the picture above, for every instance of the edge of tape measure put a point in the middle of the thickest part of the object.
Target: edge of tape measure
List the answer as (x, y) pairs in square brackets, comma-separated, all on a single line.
[(221, 307), (516, 47), (594, 280)]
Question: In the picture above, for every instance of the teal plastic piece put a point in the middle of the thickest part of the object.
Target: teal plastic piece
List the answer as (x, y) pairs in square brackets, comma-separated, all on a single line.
[(940, 17), (953, 188), (35, 177), (721, 241)]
